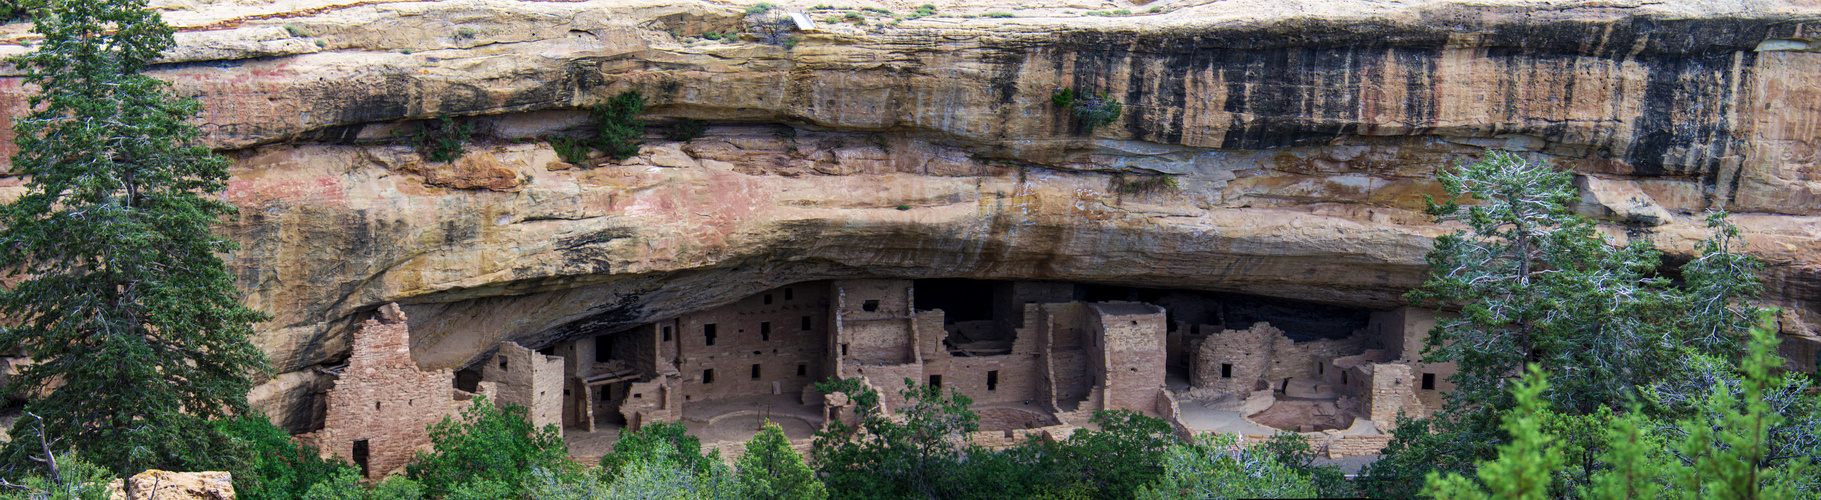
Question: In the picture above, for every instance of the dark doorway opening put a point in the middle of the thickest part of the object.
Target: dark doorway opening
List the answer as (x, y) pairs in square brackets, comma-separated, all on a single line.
[(360, 457)]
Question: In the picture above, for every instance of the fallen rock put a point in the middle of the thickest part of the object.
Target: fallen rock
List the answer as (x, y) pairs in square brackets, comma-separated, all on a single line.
[(166, 485)]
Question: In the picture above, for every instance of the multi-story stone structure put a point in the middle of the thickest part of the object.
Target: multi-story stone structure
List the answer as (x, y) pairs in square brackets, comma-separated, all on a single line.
[(1030, 355)]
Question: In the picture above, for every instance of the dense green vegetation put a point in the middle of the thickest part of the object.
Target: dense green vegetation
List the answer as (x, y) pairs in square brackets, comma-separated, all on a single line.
[(614, 129), (138, 332), (1622, 336)]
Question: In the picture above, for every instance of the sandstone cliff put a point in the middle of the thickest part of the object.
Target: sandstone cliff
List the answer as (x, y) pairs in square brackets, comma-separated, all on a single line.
[(1303, 135)]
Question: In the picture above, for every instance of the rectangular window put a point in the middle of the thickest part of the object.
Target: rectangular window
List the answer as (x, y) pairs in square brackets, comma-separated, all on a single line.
[(870, 306), (755, 372), (992, 380), (843, 349), (1428, 381), (666, 334), (708, 333), (606, 393), (787, 294), (603, 348), (802, 370), (1343, 378), (935, 381), (1226, 370), (806, 323), (708, 376), (768, 299), (1320, 368), (765, 331), (502, 362)]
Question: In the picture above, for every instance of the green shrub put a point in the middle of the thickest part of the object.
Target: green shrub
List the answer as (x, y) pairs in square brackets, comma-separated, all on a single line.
[(618, 131), (488, 444), (466, 33), (322, 44), (832, 19), (441, 140), (760, 8), (904, 207), (77, 479), (685, 129), (274, 467), (1097, 111), (711, 35), (294, 30), (644, 443), (569, 149), (998, 15), (1063, 98)]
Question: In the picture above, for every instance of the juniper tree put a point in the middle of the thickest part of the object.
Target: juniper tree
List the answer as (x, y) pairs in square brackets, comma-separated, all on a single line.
[(134, 323)]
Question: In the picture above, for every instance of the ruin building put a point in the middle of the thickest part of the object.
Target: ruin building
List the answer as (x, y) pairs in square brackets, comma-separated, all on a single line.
[(1036, 358)]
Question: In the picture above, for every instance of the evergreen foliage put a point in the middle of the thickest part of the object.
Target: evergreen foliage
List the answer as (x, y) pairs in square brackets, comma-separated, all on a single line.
[(1727, 453), (919, 453), (442, 140), (488, 450), (618, 131), (1539, 285), (643, 443), (135, 324), (1216, 466), (274, 466), (1526, 465), (770, 470), (76, 479)]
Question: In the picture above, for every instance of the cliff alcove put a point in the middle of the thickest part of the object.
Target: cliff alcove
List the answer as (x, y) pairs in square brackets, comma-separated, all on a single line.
[(1298, 139)]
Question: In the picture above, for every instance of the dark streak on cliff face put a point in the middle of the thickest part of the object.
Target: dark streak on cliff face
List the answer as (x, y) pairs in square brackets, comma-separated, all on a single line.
[(1306, 82)]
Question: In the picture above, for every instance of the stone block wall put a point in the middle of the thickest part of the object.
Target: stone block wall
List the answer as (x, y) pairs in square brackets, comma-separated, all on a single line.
[(651, 401), (881, 335), (1132, 346), (1247, 352), (766, 330), (383, 399), (529, 379), (1391, 389)]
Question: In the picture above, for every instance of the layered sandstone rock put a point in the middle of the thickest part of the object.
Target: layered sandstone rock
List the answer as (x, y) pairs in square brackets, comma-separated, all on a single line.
[(1303, 135)]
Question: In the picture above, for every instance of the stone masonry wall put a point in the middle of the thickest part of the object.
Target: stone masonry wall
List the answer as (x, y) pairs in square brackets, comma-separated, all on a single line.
[(384, 399), (1132, 344), (1247, 351), (766, 330), (529, 379)]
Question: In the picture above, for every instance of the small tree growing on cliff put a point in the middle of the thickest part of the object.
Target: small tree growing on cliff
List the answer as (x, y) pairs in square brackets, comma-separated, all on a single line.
[(135, 324)]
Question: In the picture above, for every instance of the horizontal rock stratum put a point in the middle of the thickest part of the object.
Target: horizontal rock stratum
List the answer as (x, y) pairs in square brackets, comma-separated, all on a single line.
[(1303, 136)]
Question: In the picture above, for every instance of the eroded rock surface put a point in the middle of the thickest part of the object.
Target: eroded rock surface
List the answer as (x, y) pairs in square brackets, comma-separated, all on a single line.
[(1302, 134)]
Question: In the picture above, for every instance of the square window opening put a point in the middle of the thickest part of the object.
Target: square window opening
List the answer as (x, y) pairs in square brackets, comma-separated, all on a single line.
[(870, 306), (1226, 370), (708, 376), (788, 295), (666, 334), (768, 299), (755, 372), (805, 323), (935, 381), (1428, 381), (802, 370)]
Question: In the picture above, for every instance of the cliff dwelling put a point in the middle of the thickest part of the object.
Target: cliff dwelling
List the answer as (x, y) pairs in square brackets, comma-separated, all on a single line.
[(1036, 358)]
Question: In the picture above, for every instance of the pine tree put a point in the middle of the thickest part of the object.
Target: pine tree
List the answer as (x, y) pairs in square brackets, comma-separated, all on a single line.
[(135, 324), (770, 470)]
